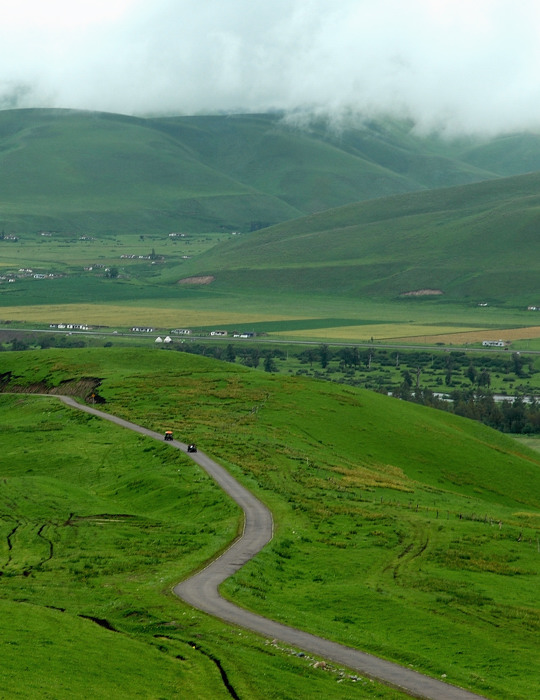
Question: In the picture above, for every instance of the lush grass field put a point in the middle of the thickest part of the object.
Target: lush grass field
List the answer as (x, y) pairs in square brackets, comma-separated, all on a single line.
[(404, 531), (470, 244), (96, 526), (79, 263)]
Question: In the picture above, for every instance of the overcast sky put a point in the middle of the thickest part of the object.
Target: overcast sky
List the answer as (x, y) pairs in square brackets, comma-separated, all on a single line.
[(458, 65)]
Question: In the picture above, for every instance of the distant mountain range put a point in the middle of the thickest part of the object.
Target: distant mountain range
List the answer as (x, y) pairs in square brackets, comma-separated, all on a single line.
[(107, 173)]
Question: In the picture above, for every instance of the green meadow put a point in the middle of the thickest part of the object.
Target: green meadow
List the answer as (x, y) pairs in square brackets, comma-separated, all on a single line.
[(468, 245), (400, 530), (96, 526)]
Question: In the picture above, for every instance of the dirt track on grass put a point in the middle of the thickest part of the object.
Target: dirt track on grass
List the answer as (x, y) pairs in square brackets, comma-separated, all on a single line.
[(201, 590)]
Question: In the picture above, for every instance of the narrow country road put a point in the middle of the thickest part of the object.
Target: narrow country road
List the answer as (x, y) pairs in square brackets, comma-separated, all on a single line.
[(201, 590)]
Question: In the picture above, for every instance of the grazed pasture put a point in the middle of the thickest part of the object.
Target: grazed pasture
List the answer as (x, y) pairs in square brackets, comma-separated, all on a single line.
[(405, 531)]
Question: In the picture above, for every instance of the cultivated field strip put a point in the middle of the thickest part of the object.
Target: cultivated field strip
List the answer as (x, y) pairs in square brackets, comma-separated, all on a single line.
[(201, 590)]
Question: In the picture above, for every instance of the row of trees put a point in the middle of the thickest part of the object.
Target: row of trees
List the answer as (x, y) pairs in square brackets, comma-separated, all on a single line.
[(44, 341), (518, 414), (515, 415), (251, 356), (451, 363)]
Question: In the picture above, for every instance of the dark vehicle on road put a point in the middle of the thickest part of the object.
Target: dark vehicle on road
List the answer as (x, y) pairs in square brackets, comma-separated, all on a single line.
[(192, 448), (168, 435)]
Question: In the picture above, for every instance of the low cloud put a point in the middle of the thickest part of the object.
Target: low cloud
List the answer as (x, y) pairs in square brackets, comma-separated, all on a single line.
[(449, 65)]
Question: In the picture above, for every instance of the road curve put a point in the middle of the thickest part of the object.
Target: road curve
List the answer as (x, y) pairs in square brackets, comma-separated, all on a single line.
[(201, 590)]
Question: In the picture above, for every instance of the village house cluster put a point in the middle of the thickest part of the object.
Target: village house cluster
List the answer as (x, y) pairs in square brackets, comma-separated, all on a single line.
[(70, 326), (188, 331), (493, 343), (27, 273), (132, 256)]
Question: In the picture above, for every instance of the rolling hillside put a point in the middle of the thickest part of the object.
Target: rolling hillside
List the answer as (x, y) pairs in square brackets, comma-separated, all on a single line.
[(102, 173), (475, 243), (70, 171), (404, 531)]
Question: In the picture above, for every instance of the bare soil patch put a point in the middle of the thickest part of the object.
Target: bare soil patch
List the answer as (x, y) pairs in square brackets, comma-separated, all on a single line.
[(85, 387), (205, 279), (422, 293)]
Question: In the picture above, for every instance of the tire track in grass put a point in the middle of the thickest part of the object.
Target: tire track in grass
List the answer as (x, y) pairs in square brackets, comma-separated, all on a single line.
[(415, 548), (48, 542), (9, 539), (201, 590)]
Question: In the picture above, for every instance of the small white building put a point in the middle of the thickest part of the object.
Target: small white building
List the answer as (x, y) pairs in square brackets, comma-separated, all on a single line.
[(493, 343)]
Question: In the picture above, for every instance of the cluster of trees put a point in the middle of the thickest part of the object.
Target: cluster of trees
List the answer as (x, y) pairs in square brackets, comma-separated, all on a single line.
[(44, 341), (251, 356), (453, 364), (518, 414)]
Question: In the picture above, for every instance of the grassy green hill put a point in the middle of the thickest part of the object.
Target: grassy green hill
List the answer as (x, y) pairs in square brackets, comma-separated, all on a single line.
[(102, 173), (314, 168), (98, 173), (404, 531), (474, 243)]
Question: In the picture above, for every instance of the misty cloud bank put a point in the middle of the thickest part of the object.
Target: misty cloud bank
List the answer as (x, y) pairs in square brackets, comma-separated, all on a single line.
[(453, 65)]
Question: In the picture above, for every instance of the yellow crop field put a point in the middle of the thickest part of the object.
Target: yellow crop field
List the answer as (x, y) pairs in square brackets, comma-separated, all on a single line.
[(119, 315), (477, 336), (418, 333), (171, 314)]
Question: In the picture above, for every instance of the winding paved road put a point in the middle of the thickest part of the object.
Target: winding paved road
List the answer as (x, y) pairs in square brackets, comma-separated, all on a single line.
[(201, 590)]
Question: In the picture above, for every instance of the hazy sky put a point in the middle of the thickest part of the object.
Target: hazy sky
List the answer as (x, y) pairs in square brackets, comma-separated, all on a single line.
[(459, 65)]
